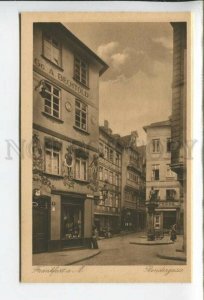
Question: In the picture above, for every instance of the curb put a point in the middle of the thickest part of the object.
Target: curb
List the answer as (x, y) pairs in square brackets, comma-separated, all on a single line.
[(171, 257), (152, 244), (82, 259)]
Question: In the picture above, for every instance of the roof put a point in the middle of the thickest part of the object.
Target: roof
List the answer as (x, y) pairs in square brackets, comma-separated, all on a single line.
[(71, 36), (158, 124), (108, 133)]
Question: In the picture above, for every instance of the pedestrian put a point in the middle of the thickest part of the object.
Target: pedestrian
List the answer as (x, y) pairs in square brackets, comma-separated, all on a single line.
[(173, 233), (94, 243)]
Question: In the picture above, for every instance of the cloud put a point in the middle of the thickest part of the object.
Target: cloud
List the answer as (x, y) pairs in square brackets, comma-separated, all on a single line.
[(165, 42), (106, 50), (119, 59)]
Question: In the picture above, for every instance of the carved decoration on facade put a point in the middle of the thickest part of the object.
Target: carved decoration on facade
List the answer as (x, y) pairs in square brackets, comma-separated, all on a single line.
[(38, 175), (68, 172), (93, 174), (37, 154)]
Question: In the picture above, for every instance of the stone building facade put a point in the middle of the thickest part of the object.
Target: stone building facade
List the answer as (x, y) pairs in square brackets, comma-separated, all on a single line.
[(108, 206), (160, 179), (133, 215), (65, 137), (179, 106)]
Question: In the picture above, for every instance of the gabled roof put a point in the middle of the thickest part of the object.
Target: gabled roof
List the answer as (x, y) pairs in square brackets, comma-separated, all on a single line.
[(158, 124), (68, 34)]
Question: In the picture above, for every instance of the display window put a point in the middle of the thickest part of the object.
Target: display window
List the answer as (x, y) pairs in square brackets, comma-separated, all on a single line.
[(72, 226)]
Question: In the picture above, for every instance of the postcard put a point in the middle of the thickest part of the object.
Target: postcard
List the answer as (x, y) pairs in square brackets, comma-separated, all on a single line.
[(106, 142)]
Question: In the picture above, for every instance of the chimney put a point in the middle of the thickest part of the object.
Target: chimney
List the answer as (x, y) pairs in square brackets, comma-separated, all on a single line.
[(134, 133), (106, 124)]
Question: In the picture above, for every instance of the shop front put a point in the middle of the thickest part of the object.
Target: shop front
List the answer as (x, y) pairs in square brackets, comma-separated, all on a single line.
[(72, 221), (107, 224)]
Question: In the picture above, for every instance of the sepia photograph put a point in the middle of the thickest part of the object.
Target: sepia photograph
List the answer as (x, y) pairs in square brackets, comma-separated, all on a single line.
[(105, 108)]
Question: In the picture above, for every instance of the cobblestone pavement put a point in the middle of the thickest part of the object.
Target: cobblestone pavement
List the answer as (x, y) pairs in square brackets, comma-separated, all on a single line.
[(119, 251)]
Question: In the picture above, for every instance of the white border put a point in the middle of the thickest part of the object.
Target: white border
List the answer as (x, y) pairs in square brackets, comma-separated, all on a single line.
[(9, 114)]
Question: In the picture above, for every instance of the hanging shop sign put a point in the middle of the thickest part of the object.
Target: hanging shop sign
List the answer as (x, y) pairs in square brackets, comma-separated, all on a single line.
[(60, 77)]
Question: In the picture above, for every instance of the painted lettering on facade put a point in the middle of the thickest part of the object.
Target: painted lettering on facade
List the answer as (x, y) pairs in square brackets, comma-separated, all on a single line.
[(60, 77)]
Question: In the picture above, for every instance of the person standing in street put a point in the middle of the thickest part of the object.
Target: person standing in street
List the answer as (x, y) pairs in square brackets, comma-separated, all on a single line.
[(94, 243), (173, 233)]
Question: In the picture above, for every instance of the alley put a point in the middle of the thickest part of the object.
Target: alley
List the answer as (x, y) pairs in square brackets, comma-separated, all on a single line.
[(119, 251)]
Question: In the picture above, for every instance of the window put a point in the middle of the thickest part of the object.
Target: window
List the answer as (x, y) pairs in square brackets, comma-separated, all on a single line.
[(81, 71), (116, 180), (101, 147), (100, 173), (106, 174), (106, 153), (170, 194), (117, 159), (155, 172), (51, 100), (81, 169), (111, 177), (81, 115), (168, 145), (155, 146), (111, 155), (116, 201), (52, 159), (52, 49)]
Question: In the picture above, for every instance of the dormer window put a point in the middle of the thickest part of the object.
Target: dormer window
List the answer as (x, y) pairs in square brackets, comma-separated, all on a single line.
[(81, 71), (52, 49)]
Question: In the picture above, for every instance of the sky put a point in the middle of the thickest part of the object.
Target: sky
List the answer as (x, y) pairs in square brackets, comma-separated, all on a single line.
[(136, 89)]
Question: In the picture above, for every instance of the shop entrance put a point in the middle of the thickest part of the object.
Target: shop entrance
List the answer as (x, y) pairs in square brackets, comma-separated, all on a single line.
[(169, 219), (72, 222), (41, 224)]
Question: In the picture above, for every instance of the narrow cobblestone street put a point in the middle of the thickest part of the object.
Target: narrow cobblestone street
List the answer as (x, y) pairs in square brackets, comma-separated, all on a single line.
[(119, 251)]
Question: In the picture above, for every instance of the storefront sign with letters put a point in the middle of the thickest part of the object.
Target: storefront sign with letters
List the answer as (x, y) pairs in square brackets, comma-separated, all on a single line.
[(60, 77)]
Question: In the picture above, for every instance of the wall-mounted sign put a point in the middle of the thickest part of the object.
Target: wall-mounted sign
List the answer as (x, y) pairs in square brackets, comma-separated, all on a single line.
[(68, 106), (60, 77)]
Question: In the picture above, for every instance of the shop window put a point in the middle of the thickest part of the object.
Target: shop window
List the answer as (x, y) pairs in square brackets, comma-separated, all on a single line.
[(51, 96), (81, 71), (52, 158), (71, 222), (155, 172), (168, 145), (155, 145), (52, 49), (81, 115), (81, 169)]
